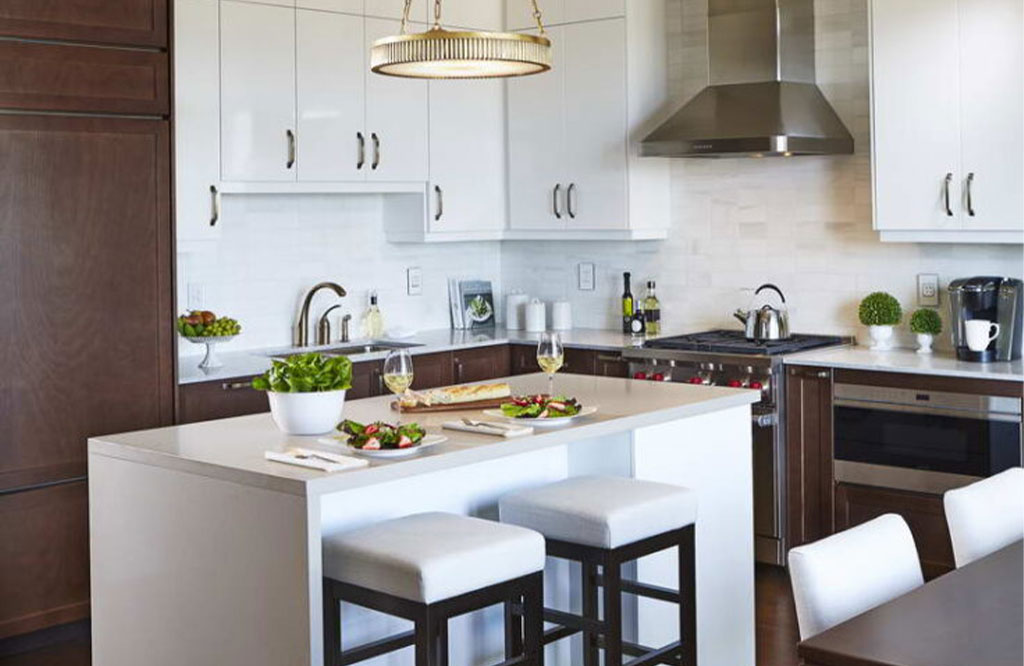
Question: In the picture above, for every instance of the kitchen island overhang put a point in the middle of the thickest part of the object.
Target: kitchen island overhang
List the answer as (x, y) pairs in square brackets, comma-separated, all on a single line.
[(204, 552)]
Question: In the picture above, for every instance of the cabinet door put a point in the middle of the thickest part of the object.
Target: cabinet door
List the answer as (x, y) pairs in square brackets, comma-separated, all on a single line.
[(916, 100), (611, 364), (579, 361), (991, 94), (431, 371), (808, 454), (367, 380), (467, 156), (197, 119), (924, 514), (523, 360), (476, 365), (595, 124), (536, 146), (208, 401), (330, 79), (396, 120), (257, 92), (123, 22)]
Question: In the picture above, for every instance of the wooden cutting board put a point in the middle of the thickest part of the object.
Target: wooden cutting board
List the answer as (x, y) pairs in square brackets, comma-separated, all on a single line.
[(456, 407)]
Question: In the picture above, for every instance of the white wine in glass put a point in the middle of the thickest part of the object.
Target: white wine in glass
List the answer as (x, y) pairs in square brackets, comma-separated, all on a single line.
[(398, 372), (550, 357)]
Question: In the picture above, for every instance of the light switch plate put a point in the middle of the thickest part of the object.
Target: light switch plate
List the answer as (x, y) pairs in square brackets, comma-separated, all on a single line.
[(414, 281), (585, 276), (928, 289)]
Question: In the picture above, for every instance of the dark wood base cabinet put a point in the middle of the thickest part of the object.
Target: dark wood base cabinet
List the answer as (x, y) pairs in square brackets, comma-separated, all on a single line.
[(808, 454), (577, 361)]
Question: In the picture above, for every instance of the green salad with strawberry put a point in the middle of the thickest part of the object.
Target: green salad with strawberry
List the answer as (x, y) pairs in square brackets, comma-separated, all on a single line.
[(541, 407), (380, 435)]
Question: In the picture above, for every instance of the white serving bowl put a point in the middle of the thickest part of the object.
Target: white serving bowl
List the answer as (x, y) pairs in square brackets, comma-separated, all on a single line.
[(307, 413)]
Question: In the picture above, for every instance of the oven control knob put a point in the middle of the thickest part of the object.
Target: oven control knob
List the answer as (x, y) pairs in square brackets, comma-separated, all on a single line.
[(757, 386), (658, 377), (696, 380), (735, 383), (640, 375)]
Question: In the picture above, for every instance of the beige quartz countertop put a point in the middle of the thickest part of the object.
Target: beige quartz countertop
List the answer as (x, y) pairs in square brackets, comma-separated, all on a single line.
[(248, 363), (233, 449), (908, 360)]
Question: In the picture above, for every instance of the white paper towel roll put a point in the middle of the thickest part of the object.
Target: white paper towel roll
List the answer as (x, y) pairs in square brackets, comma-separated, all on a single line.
[(536, 317), (514, 311), (561, 316)]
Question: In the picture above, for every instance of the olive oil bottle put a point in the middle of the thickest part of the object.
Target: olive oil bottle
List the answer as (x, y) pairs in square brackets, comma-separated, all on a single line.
[(652, 310), (627, 305)]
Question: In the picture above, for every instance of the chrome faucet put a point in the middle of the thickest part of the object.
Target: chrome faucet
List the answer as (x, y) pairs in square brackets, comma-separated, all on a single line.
[(301, 332)]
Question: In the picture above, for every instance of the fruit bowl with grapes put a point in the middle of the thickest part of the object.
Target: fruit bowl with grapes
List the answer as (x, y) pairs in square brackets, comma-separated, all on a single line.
[(203, 327)]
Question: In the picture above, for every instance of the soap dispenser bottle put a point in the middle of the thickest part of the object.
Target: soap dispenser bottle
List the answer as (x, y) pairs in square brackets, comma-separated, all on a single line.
[(373, 320)]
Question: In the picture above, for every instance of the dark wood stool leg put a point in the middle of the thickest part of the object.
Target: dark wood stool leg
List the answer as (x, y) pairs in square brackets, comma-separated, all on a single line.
[(612, 572), (688, 596), (590, 649), (513, 628), (441, 642), (425, 633), (332, 626), (533, 616)]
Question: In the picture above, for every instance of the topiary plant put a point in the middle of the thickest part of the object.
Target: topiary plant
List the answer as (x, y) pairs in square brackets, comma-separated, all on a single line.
[(880, 309), (926, 321)]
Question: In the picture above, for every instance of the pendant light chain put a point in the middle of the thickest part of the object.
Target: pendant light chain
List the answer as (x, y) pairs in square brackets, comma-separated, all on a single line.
[(405, 16), (437, 14), (540, 20)]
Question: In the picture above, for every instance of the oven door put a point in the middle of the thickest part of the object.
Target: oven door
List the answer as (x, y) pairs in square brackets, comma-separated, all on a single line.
[(923, 441)]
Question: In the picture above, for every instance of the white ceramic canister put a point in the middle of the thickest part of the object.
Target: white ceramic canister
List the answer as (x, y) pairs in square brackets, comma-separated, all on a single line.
[(561, 316), (515, 315), (536, 317)]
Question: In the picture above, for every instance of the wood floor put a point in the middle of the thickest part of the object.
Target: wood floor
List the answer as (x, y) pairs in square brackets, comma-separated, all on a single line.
[(777, 632)]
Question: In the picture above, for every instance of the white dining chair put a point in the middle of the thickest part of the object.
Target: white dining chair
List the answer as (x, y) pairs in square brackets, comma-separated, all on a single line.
[(986, 515), (851, 572)]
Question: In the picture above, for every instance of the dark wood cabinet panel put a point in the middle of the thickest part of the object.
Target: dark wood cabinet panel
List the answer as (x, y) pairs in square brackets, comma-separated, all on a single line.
[(44, 558), (924, 514), (367, 380), (580, 361), (523, 360), (809, 478), (208, 401), (611, 364), (86, 343), (123, 22), (60, 77), (432, 370), (480, 364)]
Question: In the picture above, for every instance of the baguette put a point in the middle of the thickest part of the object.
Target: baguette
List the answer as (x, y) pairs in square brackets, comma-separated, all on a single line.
[(456, 395)]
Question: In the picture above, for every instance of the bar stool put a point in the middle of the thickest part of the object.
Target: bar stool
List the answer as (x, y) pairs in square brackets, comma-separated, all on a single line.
[(429, 568), (606, 522)]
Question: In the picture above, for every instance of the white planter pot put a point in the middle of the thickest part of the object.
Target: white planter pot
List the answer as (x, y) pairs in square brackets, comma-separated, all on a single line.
[(924, 343), (307, 413), (881, 337)]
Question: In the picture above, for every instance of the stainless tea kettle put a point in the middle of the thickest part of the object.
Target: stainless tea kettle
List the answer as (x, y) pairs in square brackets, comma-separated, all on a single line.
[(767, 322)]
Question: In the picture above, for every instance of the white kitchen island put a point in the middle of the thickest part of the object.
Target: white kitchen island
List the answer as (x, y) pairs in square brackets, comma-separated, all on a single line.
[(204, 553)]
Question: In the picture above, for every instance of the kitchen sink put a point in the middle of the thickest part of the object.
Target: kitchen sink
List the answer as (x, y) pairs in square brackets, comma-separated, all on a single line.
[(350, 349)]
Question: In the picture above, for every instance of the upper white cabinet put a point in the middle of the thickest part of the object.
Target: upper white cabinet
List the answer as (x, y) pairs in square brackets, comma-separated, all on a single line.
[(519, 13), (573, 133), (948, 142), (258, 140)]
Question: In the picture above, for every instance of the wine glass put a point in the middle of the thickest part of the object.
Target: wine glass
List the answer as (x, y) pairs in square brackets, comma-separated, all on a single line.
[(398, 373), (550, 356)]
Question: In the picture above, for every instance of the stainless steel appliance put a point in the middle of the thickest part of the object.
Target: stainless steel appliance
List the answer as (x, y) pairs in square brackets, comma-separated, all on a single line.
[(926, 441), (766, 322), (999, 300), (727, 358)]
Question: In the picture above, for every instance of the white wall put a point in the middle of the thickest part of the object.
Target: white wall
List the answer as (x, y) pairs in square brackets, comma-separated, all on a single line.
[(275, 247), (803, 223)]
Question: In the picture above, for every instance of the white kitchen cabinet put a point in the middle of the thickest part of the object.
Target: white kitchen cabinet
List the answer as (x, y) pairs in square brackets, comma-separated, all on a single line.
[(257, 92), (330, 75), (197, 120), (574, 170), (519, 13), (946, 103), (396, 120)]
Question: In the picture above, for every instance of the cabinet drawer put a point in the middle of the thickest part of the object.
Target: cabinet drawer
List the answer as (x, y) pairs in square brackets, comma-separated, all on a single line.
[(123, 22), (475, 365), (431, 371), (367, 380), (55, 77), (220, 400)]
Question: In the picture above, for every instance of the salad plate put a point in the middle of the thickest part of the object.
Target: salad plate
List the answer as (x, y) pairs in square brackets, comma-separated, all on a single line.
[(428, 441), (384, 440), (541, 410), (547, 421)]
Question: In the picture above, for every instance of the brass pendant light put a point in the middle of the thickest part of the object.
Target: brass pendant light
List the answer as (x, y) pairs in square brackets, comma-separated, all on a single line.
[(444, 54)]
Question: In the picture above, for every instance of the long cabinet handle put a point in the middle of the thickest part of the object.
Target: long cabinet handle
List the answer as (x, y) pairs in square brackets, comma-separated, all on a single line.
[(569, 200), (376, 151), (458, 371), (291, 149), (555, 205), (440, 203), (362, 150), (214, 206), (970, 198), (610, 359), (235, 386), (945, 192)]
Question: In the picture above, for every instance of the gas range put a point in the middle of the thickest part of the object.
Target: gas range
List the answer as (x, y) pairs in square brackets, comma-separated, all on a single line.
[(726, 358)]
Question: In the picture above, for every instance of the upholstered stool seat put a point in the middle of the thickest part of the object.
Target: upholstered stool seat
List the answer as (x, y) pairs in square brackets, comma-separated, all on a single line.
[(429, 568)]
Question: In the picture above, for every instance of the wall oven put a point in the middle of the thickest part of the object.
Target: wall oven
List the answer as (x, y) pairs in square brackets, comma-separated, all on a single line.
[(922, 440)]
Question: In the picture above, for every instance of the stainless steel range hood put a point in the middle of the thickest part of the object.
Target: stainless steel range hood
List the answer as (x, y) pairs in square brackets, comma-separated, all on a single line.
[(763, 100)]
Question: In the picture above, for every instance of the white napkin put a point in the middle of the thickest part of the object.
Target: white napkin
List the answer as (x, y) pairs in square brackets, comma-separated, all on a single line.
[(491, 428), (321, 460)]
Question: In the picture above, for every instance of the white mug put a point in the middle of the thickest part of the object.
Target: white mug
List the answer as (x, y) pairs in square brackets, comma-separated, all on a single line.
[(979, 333)]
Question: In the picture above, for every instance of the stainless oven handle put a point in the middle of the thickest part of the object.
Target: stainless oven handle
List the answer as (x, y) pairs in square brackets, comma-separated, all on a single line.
[(765, 420), (937, 411)]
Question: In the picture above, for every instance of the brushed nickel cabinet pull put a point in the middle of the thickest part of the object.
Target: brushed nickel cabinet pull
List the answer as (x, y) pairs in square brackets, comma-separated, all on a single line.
[(362, 151), (824, 374), (970, 198), (291, 149), (458, 371), (610, 359), (440, 203), (376, 151), (569, 200), (945, 189), (236, 386), (554, 201), (214, 206)]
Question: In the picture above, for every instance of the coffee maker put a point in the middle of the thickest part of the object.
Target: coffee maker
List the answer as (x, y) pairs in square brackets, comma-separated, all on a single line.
[(995, 299)]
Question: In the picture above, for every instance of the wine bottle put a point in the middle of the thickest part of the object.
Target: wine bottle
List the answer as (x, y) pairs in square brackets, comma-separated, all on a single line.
[(652, 310), (627, 305)]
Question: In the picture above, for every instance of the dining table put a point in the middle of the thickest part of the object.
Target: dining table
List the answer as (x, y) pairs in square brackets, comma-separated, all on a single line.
[(972, 616)]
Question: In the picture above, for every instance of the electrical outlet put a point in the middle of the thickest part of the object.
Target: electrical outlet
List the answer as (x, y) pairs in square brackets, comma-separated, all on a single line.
[(585, 274), (928, 289), (414, 281), (196, 295)]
